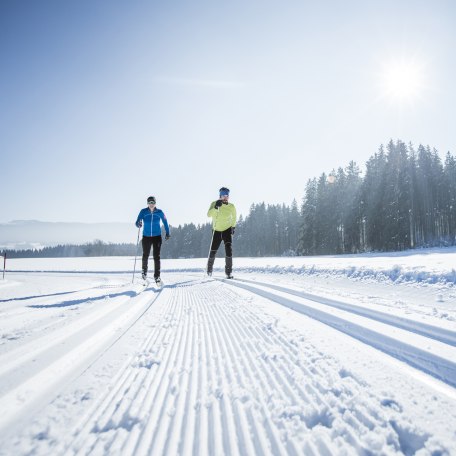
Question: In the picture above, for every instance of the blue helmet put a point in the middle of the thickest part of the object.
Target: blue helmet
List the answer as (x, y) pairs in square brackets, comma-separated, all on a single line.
[(224, 191)]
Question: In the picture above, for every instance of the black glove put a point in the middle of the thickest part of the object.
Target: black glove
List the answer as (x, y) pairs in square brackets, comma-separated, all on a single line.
[(139, 223), (218, 203), (232, 229), (167, 237)]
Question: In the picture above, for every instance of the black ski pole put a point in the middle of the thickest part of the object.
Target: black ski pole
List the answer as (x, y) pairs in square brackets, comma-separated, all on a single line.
[(136, 254), (212, 238)]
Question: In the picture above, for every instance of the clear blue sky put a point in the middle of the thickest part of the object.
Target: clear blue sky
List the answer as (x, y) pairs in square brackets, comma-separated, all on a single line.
[(104, 103)]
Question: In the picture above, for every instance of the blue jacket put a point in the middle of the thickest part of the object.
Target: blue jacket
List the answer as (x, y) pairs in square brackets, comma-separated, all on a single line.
[(151, 221)]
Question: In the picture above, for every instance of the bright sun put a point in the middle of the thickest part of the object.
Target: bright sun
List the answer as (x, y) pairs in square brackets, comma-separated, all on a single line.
[(402, 81)]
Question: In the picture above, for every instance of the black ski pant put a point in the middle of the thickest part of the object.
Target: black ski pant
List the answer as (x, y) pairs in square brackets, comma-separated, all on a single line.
[(217, 238), (147, 243)]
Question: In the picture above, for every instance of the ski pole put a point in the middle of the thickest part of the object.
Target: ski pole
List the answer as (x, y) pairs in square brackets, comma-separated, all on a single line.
[(210, 245), (136, 254), (4, 264), (213, 232)]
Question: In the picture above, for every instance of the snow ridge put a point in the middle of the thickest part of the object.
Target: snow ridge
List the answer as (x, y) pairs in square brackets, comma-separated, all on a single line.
[(434, 358)]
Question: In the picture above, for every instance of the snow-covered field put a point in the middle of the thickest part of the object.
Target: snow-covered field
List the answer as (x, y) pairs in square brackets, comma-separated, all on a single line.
[(317, 355)]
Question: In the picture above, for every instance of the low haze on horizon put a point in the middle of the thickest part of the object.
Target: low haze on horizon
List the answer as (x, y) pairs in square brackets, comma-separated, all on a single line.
[(104, 103)]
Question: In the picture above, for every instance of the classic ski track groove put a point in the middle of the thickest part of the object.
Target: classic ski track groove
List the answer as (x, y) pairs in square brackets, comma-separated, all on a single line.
[(62, 351), (424, 329), (219, 382), (32, 348), (35, 326), (348, 319)]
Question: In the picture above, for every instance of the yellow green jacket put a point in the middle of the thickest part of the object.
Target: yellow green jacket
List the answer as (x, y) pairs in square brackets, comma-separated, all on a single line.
[(222, 218)]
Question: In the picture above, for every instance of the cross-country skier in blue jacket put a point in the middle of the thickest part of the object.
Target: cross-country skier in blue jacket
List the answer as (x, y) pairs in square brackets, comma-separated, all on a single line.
[(149, 218)]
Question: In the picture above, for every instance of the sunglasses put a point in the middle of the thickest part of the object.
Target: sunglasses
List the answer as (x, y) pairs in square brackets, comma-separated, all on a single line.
[(150, 202)]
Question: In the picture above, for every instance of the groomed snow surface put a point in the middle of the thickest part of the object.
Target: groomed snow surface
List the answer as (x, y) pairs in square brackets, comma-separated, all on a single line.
[(295, 356)]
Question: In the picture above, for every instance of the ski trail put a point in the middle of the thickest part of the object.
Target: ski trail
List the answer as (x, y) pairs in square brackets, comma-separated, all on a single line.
[(425, 329), (214, 376), (44, 315), (50, 341), (106, 416), (428, 355), (59, 357), (266, 438)]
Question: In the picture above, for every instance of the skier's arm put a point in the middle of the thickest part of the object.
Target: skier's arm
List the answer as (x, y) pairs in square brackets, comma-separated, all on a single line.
[(212, 212), (139, 222), (233, 224), (165, 223)]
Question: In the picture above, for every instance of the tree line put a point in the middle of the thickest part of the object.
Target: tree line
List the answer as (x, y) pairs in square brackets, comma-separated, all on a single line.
[(406, 199), (95, 248)]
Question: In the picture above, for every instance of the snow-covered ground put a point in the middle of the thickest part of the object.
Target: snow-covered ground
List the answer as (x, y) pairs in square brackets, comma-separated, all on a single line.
[(316, 355)]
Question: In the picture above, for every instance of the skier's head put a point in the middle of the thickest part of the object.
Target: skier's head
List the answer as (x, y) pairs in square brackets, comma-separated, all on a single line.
[(151, 200), (224, 192)]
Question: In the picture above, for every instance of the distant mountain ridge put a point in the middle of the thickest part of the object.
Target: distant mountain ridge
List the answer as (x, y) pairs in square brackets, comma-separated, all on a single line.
[(25, 234)]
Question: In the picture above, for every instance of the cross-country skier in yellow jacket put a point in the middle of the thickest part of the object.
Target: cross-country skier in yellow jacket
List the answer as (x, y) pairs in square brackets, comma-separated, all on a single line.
[(223, 215)]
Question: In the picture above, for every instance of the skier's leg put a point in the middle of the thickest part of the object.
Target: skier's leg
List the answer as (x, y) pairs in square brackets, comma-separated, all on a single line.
[(216, 241), (146, 245), (228, 240), (157, 242)]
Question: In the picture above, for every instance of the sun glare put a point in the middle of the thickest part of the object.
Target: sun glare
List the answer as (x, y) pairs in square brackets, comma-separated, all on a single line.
[(402, 81)]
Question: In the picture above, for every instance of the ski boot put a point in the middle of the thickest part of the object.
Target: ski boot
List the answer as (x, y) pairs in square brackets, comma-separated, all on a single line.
[(210, 264)]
